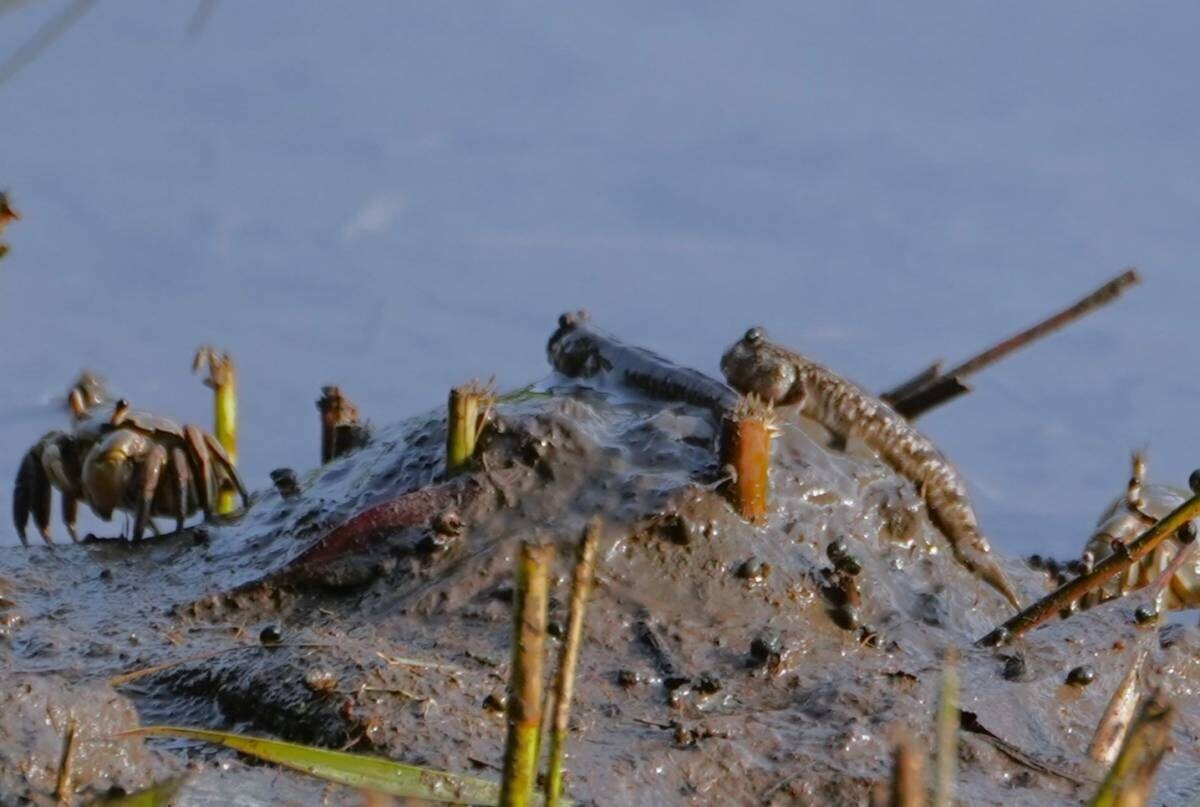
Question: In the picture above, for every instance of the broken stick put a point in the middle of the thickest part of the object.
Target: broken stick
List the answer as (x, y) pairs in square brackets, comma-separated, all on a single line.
[(929, 388)]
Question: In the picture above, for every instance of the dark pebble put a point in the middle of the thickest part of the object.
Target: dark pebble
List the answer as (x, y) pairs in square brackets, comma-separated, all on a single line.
[(674, 682), (1035, 562), (1187, 533), (1014, 668), (753, 569), (106, 574), (555, 630), (849, 565), (628, 678), (495, 702), (708, 683), (1081, 676), (285, 482), (837, 551), (271, 635), (764, 646), (845, 617), (1145, 615)]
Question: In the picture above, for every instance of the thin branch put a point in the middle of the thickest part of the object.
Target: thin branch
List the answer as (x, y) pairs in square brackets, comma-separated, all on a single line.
[(42, 39), (949, 384), (1114, 564)]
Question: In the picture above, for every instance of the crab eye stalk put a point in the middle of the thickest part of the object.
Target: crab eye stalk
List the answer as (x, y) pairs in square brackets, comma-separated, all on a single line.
[(120, 410)]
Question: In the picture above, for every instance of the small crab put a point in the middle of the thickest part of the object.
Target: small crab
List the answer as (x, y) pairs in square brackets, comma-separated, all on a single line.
[(1127, 518), (116, 458)]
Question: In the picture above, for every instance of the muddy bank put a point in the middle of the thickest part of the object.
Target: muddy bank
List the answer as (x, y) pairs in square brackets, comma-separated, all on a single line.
[(724, 662)]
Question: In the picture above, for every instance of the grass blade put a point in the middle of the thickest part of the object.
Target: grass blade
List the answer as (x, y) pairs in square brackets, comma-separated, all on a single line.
[(158, 795), (354, 770)]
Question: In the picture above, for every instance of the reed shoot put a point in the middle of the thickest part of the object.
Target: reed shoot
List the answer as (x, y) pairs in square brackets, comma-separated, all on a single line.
[(564, 685), (947, 732), (530, 599), (467, 412), (222, 379)]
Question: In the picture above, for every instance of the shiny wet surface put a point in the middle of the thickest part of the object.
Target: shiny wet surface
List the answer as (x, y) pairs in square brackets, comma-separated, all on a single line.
[(723, 661)]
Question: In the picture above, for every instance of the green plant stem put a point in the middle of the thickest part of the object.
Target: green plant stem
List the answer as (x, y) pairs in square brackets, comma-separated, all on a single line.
[(466, 409), (947, 732), (530, 597), (222, 379)]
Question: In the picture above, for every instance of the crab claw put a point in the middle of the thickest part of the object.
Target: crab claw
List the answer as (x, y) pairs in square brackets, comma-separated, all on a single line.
[(31, 494)]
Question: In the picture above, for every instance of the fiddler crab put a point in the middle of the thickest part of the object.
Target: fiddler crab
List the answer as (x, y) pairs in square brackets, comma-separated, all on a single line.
[(1131, 515), (117, 458)]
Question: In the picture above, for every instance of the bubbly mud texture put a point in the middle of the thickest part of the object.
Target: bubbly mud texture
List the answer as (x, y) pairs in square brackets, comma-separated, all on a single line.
[(723, 663)]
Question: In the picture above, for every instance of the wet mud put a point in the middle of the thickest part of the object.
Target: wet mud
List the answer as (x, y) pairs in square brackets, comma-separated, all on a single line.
[(724, 662)]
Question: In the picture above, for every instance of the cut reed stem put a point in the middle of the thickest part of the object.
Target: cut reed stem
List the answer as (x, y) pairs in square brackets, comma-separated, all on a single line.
[(64, 787), (340, 429), (1118, 715), (222, 379), (908, 774), (530, 597), (745, 446), (564, 684), (467, 409), (946, 770), (1114, 564), (1130, 780)]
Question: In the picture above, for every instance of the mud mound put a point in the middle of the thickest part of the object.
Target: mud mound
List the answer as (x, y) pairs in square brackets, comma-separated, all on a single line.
[(723, 663)]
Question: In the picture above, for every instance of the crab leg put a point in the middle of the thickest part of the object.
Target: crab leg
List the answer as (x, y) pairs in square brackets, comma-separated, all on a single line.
[(180, 476), (70, 507), (198, 453), (23, 493), (226, 465), (31, 494), (149, 472)]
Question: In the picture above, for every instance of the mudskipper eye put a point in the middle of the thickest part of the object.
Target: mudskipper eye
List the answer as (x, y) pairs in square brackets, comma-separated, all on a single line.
[(754, 335)]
